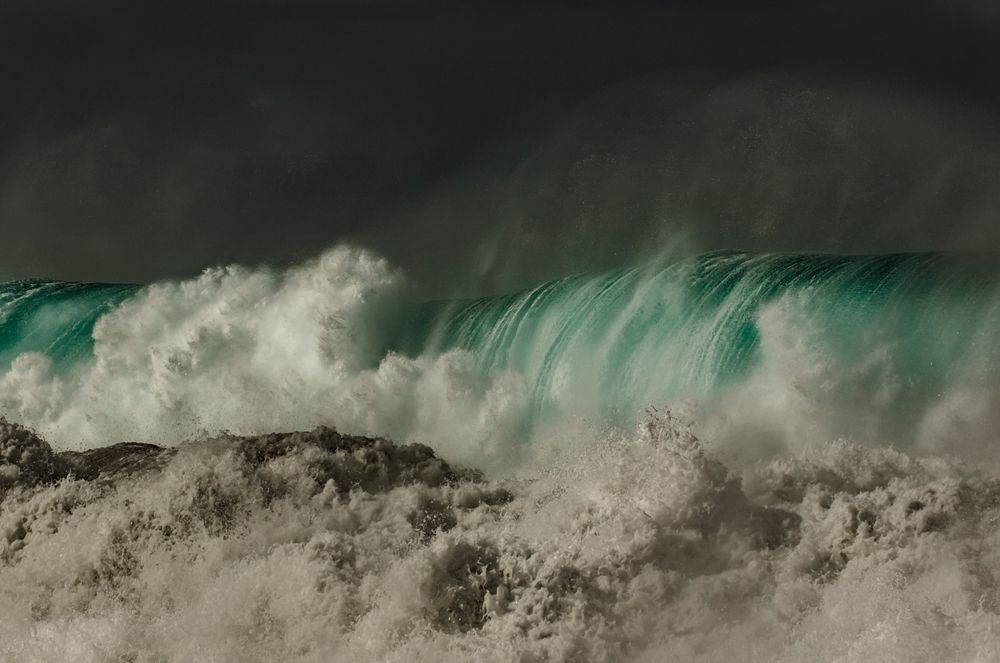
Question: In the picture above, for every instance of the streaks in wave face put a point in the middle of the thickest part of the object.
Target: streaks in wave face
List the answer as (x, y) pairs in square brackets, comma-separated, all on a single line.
[(894, 331), (896, 348), (53, 318)]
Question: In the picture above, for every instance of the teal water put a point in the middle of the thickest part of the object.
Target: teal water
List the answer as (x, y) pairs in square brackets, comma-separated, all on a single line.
[(653, 333), (617, 341), (54, 318)]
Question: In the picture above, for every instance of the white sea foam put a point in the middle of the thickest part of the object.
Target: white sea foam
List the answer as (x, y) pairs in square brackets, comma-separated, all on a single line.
[(767, 541), (643, 547), (257, 350)]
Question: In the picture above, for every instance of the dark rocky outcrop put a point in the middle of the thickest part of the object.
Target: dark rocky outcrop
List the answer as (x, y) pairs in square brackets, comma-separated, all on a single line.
[(350, 461), (26, 459)]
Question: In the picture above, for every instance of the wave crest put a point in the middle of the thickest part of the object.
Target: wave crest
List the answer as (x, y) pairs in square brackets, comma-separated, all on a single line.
[(255, 350)]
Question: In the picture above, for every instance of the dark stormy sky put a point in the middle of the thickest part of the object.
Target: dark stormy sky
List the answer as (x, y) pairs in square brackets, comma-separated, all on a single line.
[(489, 143)]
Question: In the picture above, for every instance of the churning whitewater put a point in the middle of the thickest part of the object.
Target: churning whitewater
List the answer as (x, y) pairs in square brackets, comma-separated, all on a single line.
[(727, 457)]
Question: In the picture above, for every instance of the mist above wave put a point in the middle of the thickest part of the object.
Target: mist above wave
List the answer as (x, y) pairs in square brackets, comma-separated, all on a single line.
[(318, 546)]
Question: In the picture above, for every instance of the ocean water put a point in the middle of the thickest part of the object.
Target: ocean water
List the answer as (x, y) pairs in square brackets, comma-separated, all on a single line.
[(731, 456)]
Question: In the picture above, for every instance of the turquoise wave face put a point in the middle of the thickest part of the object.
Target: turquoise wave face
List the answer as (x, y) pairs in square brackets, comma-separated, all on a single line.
[(851, 329), (55, 319), (656, 333)]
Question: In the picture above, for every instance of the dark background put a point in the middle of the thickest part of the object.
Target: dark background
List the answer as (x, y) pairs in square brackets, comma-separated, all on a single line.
[(483, 145)]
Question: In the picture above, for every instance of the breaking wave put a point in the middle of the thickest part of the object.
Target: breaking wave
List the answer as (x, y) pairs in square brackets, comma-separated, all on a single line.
[(826, 487), (766, 351), (247, 351)]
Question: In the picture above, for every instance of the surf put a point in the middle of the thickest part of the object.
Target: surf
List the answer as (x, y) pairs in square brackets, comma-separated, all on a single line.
[(894, 348)]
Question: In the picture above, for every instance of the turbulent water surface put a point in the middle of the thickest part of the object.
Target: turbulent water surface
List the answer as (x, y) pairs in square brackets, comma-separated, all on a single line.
[(812, 475)]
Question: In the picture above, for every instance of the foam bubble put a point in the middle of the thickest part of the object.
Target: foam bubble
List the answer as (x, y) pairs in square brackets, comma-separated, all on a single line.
[(317, 546)]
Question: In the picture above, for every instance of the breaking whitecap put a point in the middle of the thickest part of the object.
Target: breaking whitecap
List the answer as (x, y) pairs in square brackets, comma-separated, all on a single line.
[(317, 546)]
